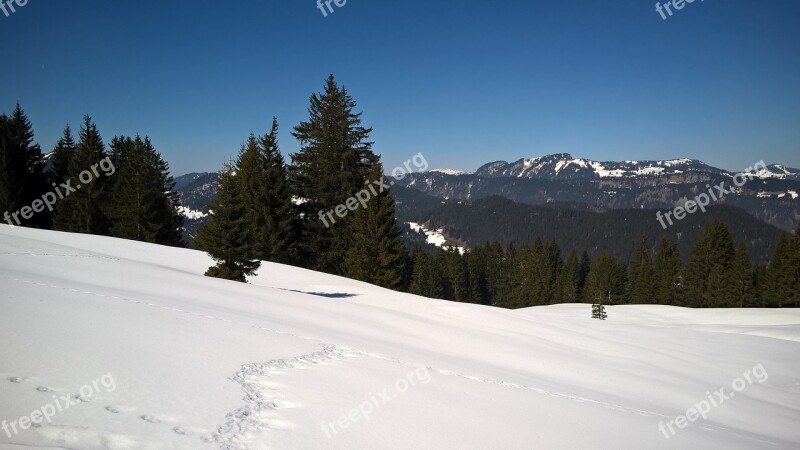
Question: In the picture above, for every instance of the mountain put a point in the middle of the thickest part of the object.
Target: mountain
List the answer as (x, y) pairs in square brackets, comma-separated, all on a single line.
[(771, 195), (197, 192), (126, 345)]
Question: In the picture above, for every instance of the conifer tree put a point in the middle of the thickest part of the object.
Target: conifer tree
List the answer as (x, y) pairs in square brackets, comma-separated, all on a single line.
[(709, 271), (426, 279), (22, 170), (82, 211), (743, 278), (377, 254), (62, 154), (668, 275), (780, 280), (599, 311), (606, 281), (143, 204), (640, 274), (567, 285), (228, 238), (333, 163)]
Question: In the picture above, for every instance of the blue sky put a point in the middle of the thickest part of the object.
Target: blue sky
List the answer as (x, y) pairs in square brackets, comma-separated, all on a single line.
[(464, 82)]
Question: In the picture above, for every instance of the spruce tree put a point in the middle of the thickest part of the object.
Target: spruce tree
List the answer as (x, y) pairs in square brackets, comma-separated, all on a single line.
[(333, 163), (743, 278), (264, 180), (228, 238), (62, 154), (606, 281), (377, 254), (599, 311), (83, 211), (22, 171), (668, 274), (426, 279), (641, 286), (143, 204), (567, 288), (781, 274), (709, 271)]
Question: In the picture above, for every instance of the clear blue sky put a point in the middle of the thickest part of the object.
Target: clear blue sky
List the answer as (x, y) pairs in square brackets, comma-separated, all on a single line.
[(465, 82)]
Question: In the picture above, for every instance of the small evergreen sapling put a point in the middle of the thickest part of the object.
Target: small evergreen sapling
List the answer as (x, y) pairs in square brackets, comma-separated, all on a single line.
[(599, 311)]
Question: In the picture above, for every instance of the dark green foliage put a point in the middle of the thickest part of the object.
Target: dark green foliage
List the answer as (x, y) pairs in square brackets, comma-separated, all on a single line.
[(377, 254), (228, 237), (263, 178), (568, 287), (606, 281), (668, 278), (83, 211), (742, 277), (333, 163), (641, 283), (781, 282), (143, 204), (599, 311), (709, 271), (426, 279), (62, 154), (22, 171)]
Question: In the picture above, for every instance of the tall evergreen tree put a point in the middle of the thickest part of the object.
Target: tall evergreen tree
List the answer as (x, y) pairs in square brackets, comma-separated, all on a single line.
[(568, 282), (377, 254), (641, 285), (709, 271), (742, 276), (778, 286), (82, 211), (333, 163), (668, 276), (605, 283), (228, 238), (426, 279), (143, 204), (62, 154), (22, 171)]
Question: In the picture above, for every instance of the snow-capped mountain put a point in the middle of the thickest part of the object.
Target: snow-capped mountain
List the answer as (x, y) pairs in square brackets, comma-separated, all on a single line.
[(565, 167)]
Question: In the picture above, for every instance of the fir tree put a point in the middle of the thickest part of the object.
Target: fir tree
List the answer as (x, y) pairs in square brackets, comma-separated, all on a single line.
[(606, 281), (743, 278), (333, 163), (709, 271), (568, 282), (377, 254), (62, 154), (22, 171), (641, 285), (83, 211), (228, 237), (668, 276), (599, 311), (426, 279), (781, 278)]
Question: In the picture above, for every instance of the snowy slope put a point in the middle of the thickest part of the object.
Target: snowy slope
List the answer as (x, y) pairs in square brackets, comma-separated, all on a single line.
[(299, 359)]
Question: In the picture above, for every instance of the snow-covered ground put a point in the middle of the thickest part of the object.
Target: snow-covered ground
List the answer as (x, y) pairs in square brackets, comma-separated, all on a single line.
[(141, 351)]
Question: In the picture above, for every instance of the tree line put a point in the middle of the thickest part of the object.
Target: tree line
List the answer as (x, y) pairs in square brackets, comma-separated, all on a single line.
[(136, 200), (717, 274)]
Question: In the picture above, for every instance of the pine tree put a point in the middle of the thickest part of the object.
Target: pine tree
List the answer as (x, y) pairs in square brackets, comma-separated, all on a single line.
[(599, 311), (333, 163), (641, 286), (567, 285), (743, 278), (426, 279), (606, 281), (709, 271), (227, 238), (62, 154), (143, 204), (377, 254), (668, 275), (22, 172), (781, 279), (263, 177), (82, 211)]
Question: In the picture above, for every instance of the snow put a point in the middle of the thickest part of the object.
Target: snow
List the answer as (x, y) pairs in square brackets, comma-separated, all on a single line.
[(302, 360), (449, 171), (434, 237), (190, 213), (793, 194)]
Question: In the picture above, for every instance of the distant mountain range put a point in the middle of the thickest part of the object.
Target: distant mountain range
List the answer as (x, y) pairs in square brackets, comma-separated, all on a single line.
[(561, 182)]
